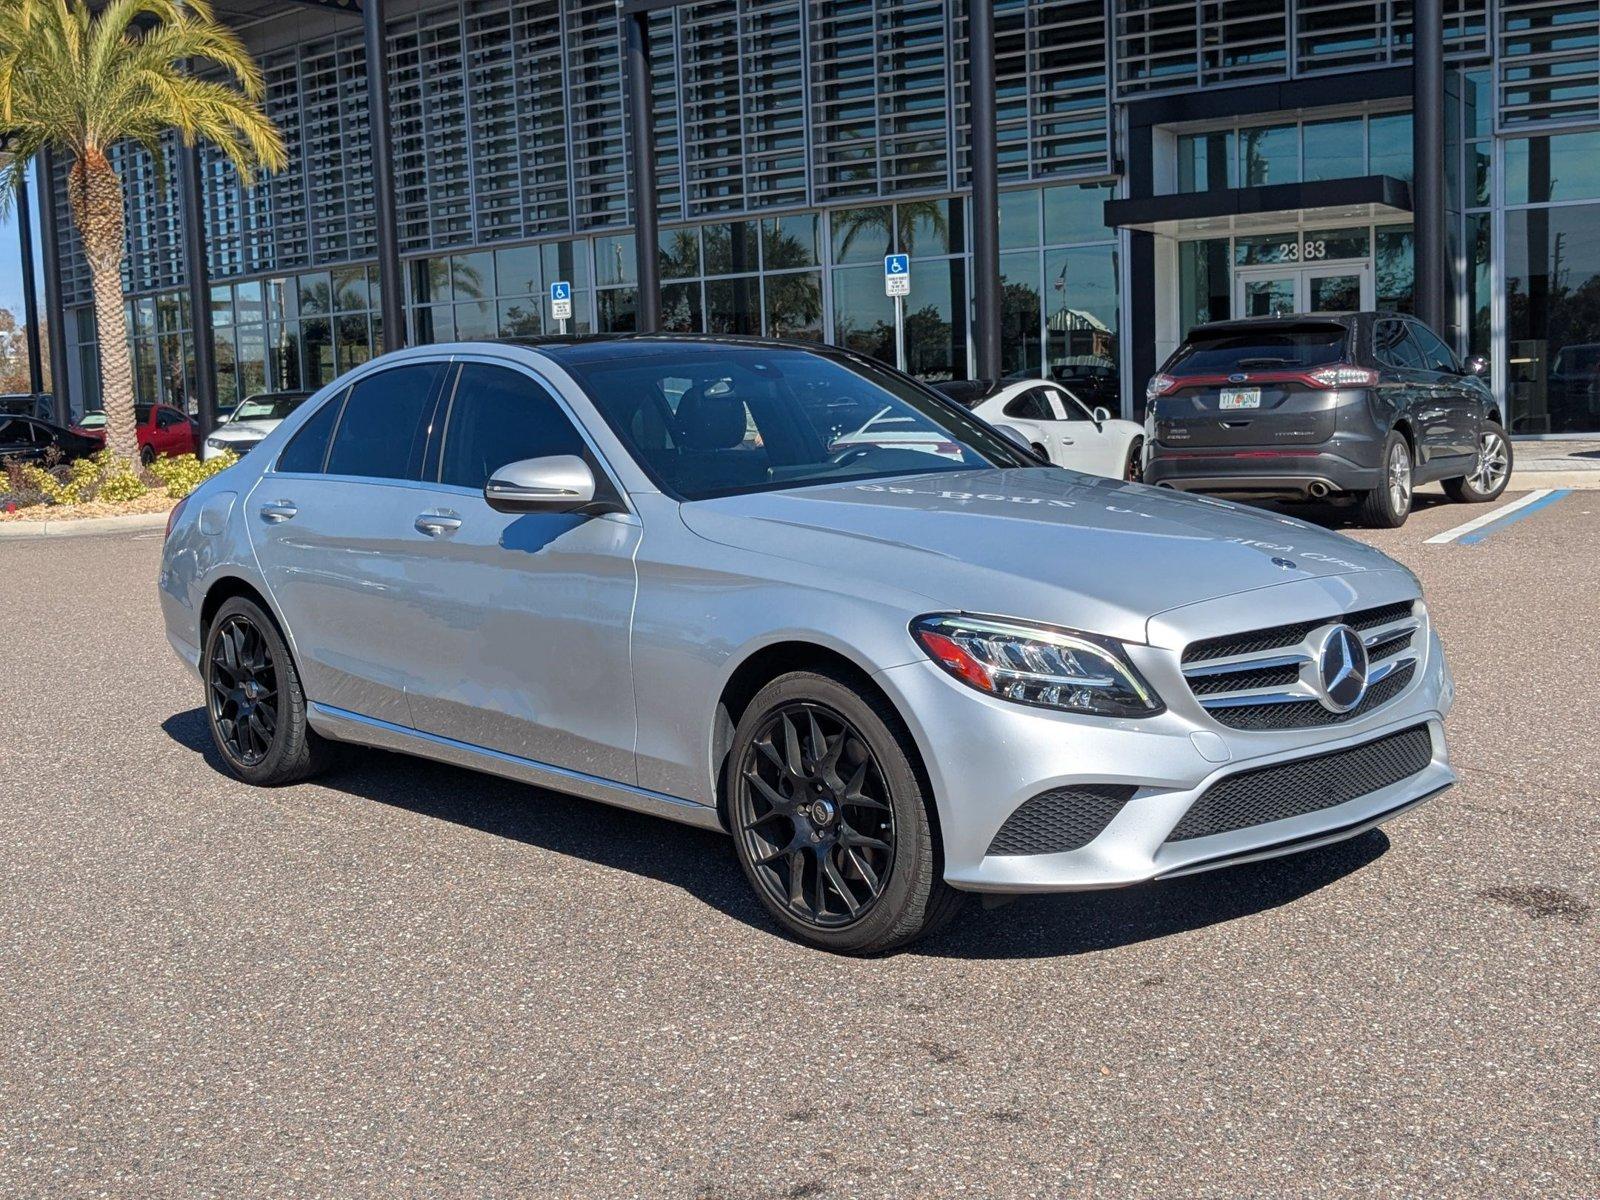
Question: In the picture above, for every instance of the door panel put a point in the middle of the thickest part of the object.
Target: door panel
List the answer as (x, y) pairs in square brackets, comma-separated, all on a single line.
[(341, 569), (338, 551), (520, 633), (521, 621)]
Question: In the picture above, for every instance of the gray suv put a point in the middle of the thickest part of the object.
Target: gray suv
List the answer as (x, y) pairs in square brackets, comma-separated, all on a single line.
[(786, 592), (1357, 408)]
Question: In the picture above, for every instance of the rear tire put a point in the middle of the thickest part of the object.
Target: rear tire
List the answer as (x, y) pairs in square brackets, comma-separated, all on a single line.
[(1493, 473), (146, 455), (1388, 505), (254, 702), (831, 823)]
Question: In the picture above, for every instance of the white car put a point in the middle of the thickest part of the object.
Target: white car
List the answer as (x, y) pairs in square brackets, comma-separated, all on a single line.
[(254, 418), (1058, 425)]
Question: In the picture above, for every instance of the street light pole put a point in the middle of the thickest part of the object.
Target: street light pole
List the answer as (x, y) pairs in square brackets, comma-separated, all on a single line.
[(646, 224), (391, 285), (1427, 185), (30, 298)]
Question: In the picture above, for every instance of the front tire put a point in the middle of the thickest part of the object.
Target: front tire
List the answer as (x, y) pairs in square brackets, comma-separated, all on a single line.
[(254, 702), (1389, 504), (1493, 471), (830, 820), (147, 456)]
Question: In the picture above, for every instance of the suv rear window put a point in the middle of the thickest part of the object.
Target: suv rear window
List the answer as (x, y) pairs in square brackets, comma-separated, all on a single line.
[(1227, 351)]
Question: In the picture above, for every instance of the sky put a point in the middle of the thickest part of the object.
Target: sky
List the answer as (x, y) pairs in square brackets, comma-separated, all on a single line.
[(10, 257)]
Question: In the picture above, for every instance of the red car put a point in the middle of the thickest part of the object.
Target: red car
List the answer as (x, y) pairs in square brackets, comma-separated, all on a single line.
[(162, 430)]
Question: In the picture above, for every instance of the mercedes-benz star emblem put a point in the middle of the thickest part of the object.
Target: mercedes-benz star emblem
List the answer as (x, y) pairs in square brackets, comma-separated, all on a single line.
[(1342, 669)]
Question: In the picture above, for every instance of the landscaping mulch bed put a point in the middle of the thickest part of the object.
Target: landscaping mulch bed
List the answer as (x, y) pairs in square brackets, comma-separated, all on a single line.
[(154, 501)]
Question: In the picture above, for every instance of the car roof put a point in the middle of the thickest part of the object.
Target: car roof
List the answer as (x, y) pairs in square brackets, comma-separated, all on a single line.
[(1298, 320)]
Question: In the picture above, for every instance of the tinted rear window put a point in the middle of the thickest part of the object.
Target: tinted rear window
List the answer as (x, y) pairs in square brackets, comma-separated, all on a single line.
[(1228, 351)]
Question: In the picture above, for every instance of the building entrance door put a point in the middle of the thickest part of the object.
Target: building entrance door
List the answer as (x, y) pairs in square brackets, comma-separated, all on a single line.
[(1283, 289)]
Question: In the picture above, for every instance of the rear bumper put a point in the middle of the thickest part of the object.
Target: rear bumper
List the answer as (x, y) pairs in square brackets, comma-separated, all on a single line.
[(1294, 473)]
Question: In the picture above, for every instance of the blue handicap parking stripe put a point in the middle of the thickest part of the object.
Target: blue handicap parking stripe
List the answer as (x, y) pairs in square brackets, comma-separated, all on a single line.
[(1477, 535)]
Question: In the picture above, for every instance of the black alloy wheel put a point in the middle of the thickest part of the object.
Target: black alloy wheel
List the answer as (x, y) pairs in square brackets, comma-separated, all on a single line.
[(1134, 472), (813, 813), (242, 682)]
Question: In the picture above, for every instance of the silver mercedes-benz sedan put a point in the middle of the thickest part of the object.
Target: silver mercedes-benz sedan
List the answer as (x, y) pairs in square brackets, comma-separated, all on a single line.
[(783, 591)]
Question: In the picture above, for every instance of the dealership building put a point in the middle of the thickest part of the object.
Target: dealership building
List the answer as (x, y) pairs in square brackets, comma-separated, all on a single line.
[(1076, 182)]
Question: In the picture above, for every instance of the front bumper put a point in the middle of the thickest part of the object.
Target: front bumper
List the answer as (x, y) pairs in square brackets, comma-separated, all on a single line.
[(986, 758)]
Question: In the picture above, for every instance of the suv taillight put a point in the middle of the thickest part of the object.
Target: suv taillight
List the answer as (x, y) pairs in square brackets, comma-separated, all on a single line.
[(1159, 385), (172, 517), (1343, 376)]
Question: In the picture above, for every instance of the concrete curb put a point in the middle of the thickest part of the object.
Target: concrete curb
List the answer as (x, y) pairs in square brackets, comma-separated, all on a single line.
[(82, 526), (1522, 479)]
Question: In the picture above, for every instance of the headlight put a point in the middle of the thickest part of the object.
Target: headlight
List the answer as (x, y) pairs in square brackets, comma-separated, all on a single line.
[(216, 443), (1037, 665)]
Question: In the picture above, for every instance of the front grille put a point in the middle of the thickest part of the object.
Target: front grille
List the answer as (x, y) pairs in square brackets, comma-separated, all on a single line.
[(1265, 679), (1281, 636), (1310, 714), (1306, 785), (1061, 819)]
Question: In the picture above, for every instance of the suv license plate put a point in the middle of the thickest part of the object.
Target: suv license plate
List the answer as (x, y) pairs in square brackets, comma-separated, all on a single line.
[(1242, 398)]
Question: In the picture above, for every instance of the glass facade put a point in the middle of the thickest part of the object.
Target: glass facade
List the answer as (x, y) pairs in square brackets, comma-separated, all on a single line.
[(797, 141)]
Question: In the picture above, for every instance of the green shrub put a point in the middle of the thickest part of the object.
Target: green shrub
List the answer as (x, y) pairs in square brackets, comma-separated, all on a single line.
[(182, 475)]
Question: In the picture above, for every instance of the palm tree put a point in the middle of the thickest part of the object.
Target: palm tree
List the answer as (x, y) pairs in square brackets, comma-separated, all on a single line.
[(81, 83)]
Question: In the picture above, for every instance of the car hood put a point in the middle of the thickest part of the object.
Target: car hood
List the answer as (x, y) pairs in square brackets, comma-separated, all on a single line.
[(244, 431), (1042, 544)]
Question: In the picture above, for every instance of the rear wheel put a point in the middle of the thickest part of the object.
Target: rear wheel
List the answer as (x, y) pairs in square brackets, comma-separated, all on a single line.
[(1388, 505), (254, 701), (1134, 471), (1492, 473), (831, 823)]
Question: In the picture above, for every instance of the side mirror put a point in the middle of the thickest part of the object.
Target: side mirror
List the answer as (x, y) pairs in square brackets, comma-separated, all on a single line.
[(1101, 415), (557, 484), (1479, 366)]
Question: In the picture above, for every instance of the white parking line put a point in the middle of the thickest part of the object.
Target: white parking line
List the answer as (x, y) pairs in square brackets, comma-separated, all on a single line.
[(1494, 514)]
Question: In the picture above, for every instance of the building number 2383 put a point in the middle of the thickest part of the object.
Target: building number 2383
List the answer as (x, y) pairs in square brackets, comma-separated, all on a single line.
[(1307, 251)]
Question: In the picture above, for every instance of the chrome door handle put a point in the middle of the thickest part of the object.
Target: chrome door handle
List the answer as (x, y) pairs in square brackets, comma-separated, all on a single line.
[(437, 524), (274, 511)]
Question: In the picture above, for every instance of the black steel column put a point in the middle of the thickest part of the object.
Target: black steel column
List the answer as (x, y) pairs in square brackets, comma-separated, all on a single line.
[(30, 299), (1427, 188), (192, 210), (985, 189), (646, 226), (391, 285), (56, 321)]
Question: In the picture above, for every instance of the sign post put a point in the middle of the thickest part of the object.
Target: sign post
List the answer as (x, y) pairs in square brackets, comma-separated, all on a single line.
[(561, 303), (897, 283)]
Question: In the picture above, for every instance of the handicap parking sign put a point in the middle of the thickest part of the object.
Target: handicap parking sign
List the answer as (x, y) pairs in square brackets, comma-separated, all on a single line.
[(897, 274), (561, 300)]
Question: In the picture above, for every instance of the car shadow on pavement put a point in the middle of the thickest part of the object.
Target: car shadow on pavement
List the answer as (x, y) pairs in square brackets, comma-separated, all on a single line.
[(1085, 922), (701, 863), (1342, 517)]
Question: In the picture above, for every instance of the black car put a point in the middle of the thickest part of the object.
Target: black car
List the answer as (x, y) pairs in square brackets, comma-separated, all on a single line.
[(1353, 407), (26, 404), (31, 440)]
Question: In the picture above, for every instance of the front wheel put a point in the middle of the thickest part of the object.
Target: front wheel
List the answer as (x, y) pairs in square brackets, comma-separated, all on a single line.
[(831, 823), (146, 455), (1492, 473), (1389, 504)]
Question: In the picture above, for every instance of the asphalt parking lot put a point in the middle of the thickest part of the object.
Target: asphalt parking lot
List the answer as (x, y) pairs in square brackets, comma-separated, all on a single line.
[(410, 980)]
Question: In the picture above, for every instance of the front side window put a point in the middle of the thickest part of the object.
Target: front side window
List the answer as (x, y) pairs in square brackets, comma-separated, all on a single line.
[(1073, 408), (383, 429), (499, 416), (720, 420), (1436, 355)]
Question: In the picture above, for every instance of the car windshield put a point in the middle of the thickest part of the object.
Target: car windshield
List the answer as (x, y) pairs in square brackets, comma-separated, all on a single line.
[(1224, 351), (266, 408), (718, 420)]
